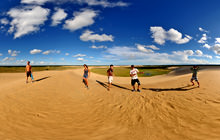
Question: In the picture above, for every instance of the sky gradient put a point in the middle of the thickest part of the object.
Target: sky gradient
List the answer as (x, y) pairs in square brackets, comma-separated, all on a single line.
[(103, 32)]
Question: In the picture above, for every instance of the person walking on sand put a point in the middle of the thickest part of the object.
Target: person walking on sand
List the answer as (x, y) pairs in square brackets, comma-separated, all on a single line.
[(110, 76), (134, 78), (194, 75), (86, 75), (28, 71)]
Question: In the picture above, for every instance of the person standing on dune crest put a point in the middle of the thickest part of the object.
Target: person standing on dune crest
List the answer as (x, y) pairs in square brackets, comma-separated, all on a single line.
[(110, 76), (134, 78), (86, 75), (28, 71), (194, 75)]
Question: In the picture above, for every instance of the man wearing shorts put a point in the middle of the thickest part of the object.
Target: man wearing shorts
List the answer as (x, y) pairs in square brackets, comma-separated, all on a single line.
[(110, 76), (134, 78), (28, 71), (194, 75)]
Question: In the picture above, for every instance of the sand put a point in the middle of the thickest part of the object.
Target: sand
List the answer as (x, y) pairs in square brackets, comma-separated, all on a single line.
[(58, 107)]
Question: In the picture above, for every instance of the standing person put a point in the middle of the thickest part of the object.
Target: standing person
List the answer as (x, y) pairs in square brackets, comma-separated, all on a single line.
[(110, 76), (134, 78), (194, 75), (86, 75), (28, 71)]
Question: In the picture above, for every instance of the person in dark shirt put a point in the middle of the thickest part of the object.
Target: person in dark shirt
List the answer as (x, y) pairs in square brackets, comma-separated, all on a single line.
[(195, 70)]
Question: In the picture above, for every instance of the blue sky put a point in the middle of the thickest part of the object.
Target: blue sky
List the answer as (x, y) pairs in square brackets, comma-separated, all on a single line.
[(120, 32)]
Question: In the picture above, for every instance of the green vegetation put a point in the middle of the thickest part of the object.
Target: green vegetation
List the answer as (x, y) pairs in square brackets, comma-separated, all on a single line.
[(14, 69), (124, 71)]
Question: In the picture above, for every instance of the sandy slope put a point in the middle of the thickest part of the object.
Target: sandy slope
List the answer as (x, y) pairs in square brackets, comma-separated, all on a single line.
[(58, 107)]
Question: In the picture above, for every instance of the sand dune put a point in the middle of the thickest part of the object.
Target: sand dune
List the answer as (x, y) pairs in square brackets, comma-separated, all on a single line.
[(57, 106)]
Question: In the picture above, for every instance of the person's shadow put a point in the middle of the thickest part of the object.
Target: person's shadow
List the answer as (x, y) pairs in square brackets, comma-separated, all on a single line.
[(105, 85), (44, 78), (184, 88)]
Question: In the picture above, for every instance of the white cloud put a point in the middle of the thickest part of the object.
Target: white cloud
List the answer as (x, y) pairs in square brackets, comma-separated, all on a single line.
[(13, 53), (35, 51), (4, 21), (99, 47), (80, 59), (128, 55), (27, 20), (142, 48), (8, 59), (160, 36), (216, 49), (40, 2), (203, 39), (81, 19), (79, 55), (42, 62), (62, 59), (217, 40), (153, 47), (202, 30), (89, 36), (1, 54), (218, 57), (67, 54), (51, 51), (103, 3), (199, 52), (207, 46), (58, 16)]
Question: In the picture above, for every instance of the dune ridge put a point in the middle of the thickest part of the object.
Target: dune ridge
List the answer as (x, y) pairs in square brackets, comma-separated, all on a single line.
[(59, 107)]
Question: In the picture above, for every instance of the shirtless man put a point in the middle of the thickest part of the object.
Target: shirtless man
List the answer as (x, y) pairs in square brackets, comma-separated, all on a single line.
[(28, 71)]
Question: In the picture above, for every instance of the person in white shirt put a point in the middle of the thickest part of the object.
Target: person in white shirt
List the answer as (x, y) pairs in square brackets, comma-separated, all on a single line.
[(134, 78)]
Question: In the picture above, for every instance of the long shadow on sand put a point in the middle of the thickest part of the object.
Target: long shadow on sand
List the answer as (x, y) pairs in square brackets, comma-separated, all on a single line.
[(120, 87), (184, 88), (38, 80), (102, 84)]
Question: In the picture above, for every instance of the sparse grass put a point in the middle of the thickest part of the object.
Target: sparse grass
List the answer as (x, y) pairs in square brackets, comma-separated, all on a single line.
[(125, 71), (14, 69)]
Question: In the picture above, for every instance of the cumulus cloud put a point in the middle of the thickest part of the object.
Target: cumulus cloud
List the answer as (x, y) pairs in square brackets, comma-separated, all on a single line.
[(99, 47), (40, 2), (127, 55), (67, 54), (13, 53), (217, 40), (218, 57), (35, 51), (103, 3), (51, 51), (216, 49), (142, 48), (58, 16), (1, 54), (160, 36), (4, 21), (207, 46), (79, 55), (153, 47), (89, 36), (8, 59), (27, 20), (81, 19), (202, 30), (203, 39), (80, 59), (199, 52)]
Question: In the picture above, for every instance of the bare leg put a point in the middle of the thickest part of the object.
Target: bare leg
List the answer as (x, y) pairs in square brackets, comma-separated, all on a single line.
[(109, 86), (198, 83), (26, 79), (192, 82)]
